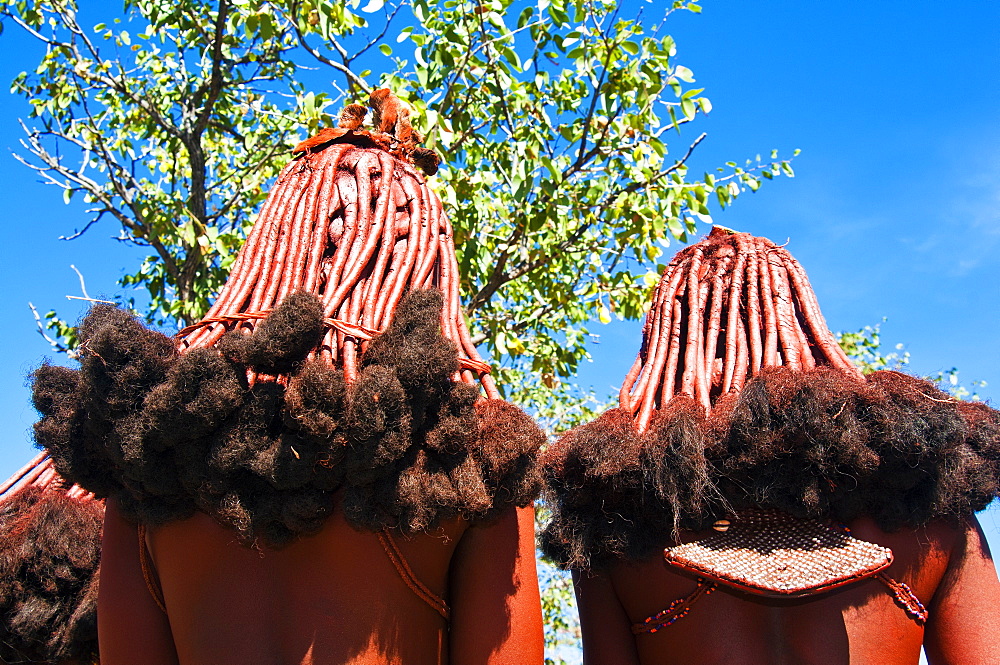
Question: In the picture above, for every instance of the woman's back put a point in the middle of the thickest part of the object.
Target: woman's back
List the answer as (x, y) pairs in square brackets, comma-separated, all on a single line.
[(340, 596), (947, 568)]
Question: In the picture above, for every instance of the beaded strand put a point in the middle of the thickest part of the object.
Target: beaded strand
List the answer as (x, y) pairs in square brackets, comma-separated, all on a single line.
[(905, 598), (678, 609)]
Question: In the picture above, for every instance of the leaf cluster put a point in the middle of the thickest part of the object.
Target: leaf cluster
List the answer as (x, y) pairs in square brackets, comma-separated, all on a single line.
[(864, 348), (556, 119), (562, 122), (169, 119)]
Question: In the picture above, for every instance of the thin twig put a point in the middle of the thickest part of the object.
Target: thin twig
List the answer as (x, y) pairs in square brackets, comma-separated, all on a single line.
[(61, 348), (83, 285), (107, 302)]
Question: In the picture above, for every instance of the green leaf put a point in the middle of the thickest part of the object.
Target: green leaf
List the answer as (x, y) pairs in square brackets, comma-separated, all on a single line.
[(684, 74), (688, 108), (266, 26), (385, 49), (525, 17)]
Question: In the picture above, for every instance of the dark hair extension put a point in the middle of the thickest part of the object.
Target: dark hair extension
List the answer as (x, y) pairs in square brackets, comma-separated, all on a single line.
[(121, 361), (740, 398), (406, 440), (50, 547), (282, 341), (456, 423), (433, 450), (77, 457), (314, 402), (816, 444), (676, 468), (244, 450), (200, 391), (423, 484), (921, 442), (378, 422), (797, 442), (595, 477), (421, 358), (414, 346), (657, 483), (508, 441), (973, 480)]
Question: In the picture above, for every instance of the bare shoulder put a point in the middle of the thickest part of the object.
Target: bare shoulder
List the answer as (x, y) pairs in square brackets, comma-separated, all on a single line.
[(964, 622), (946, 565), (496, 609), (921, 555)]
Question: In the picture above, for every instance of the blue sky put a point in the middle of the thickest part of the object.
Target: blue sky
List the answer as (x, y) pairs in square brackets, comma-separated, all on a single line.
[(895, 210)]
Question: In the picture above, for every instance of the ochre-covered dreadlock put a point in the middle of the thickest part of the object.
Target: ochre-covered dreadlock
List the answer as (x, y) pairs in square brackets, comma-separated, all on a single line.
[(740, 397), (352, 221), (336, 358), (724, 309)]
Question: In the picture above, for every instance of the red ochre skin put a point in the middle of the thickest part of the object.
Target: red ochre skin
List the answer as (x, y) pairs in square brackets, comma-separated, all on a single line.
[(330, 598), (948, 567)]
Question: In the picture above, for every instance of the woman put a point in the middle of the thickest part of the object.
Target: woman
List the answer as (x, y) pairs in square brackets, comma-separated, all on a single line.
[(755, 499), (321, 469)]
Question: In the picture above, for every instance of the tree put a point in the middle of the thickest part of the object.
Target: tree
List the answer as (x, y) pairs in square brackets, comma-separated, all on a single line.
[(553, 119), (559, 122), (864, 348)]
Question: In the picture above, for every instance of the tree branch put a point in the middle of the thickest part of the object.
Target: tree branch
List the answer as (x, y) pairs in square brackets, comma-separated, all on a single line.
[(346, 71), (61, 348), (635, 186), (214, 85)]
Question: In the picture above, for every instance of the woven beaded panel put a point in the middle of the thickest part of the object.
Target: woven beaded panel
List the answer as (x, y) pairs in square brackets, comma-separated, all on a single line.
[(771, 553)]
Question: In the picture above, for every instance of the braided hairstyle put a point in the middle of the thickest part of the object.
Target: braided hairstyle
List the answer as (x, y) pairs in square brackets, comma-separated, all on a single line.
[(336, 359), (741, 397), (49, 554)]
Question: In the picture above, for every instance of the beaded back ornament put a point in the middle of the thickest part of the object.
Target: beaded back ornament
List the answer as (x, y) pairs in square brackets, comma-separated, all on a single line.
[(771, 553)]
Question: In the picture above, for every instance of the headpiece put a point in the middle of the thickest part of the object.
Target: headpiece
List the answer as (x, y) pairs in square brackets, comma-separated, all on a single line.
[(335, 359), (724, 309), (740, 398)]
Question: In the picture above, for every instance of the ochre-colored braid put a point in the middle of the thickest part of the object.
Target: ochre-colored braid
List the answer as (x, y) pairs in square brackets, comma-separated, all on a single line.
[(353, 222), (725, 308), (436, 602), (40, 472)]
